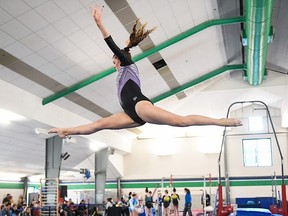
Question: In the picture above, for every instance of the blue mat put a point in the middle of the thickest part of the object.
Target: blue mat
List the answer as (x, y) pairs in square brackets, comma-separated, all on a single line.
[(253, 212)]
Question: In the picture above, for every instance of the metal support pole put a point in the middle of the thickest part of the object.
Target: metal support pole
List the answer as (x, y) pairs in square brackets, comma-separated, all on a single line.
[(101, 163), (53, 157)]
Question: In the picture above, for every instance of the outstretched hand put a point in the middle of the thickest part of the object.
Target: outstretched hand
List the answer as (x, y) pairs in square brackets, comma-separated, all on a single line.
[(58, 131), (97, 13)]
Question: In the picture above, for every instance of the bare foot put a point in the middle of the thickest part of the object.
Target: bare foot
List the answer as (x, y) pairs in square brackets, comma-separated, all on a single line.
[(231, 122)]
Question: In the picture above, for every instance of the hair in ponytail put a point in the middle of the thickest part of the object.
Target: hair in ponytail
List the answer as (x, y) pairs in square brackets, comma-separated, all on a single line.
[(138, 35)]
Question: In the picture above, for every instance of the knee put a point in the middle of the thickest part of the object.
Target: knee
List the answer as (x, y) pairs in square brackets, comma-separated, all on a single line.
[(180, 122)]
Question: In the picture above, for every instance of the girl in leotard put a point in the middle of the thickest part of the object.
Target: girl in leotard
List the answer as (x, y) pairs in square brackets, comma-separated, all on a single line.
[(166, 204), (175, 201), (138, 109)]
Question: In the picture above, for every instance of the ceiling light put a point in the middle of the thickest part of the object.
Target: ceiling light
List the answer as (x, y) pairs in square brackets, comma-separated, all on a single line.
[(41, 131), (6, 116), (36, 178)]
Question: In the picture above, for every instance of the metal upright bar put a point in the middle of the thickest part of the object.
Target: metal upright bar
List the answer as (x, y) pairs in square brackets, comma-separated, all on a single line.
[(220, 198)]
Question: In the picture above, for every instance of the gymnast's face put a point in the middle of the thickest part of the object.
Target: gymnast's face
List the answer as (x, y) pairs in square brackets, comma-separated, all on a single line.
[(116, 63)]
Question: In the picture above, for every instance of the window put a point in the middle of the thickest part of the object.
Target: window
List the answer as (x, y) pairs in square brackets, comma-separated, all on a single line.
[(257, 152)]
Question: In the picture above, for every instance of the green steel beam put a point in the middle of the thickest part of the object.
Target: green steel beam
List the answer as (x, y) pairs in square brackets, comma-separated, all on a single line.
[(199, 80), (257, 26), (145, 54)]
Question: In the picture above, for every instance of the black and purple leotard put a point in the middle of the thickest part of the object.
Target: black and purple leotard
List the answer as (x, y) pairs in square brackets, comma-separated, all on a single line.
[(128, 82)]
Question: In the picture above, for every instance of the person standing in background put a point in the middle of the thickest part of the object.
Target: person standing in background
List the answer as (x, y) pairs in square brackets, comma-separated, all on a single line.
[(159, 202), (166, 204), (188, 201), (175, 201)]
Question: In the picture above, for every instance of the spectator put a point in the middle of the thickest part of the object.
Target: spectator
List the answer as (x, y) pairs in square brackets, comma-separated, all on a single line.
[(109, 203), (82, 209), (14, 210), (7, 209), (20, 202), (188, 200), (7, 199), (26, 212), (134, 207), (159, 202), (35, 208)]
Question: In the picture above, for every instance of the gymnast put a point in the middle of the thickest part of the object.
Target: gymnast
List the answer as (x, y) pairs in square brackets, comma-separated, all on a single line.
[(138, 109)]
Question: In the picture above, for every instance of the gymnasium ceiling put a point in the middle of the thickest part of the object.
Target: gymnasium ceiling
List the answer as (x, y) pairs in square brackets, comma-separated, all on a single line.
[(48, 45)]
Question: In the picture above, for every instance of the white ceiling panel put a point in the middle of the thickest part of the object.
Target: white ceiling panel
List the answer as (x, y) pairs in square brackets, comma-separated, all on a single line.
[(63, 102), (7, 75), (35, 60), (77, 56), (33, 20), (50, 53), (82, 17), (66, 26), (39, 90), (5, 39), (34, 42), (49, 69), (50, 11), (50, 34), (18, 50), (69, 6), (80, 38), (63, 62), (23, 83), (77, 72), (64, 79), (15, 7), (90, 66), (4, 16), (35, 3), (15, 29), (199, 11), (65, 46)]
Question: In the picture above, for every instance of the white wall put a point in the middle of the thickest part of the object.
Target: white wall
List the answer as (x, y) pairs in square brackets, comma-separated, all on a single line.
[(189, 160), (15, 193)]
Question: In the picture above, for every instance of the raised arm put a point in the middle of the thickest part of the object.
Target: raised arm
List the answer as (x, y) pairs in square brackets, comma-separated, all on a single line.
[(97, 15), (122, 56)]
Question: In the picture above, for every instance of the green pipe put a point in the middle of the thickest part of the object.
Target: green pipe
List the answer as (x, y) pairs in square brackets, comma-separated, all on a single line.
[(149, 52), (257, 26), (198, 80)]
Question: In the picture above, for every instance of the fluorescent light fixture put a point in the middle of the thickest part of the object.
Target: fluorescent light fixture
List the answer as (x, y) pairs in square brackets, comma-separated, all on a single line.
[(41, 131), (36, 178), (96, 145), (10, 177), (256, 123), (6, 117)]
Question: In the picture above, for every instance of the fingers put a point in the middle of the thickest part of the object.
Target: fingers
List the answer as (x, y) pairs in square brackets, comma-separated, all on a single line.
[(53, 130), (96, 9)]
